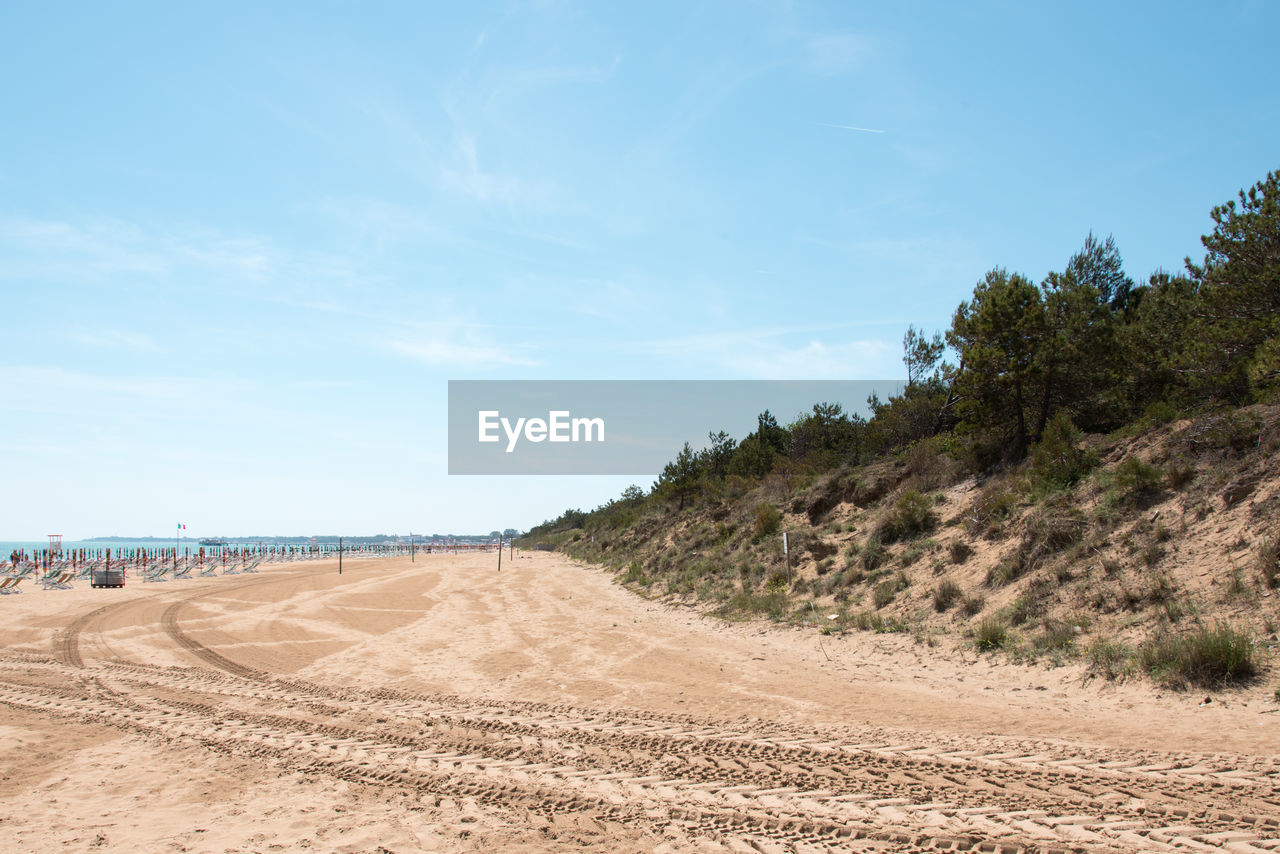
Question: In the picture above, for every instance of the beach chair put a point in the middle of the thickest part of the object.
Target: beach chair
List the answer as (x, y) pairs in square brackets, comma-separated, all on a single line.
[(209, 571), (57, 579), (156, 572), (253, 567), (183, 572), (10, 584)]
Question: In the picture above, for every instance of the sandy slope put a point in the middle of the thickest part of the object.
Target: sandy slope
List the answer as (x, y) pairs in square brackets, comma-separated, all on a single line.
[(442, 705)]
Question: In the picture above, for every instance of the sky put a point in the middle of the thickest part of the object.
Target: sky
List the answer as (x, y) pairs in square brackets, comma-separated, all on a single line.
[(245, 246)]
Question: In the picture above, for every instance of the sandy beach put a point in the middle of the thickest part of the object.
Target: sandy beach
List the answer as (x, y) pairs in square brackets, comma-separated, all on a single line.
[(442, 705)]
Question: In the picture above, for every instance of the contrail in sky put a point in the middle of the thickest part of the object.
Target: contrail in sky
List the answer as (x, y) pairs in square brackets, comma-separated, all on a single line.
[(848, 127)]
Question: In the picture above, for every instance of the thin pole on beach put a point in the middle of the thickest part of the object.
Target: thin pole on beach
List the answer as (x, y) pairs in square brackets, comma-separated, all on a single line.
[(499, 553), (339, 555), (786, 552)]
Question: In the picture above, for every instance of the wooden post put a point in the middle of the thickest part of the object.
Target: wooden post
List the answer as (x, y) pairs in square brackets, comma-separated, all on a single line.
[(339, 555), (499, 553), (786, 552)]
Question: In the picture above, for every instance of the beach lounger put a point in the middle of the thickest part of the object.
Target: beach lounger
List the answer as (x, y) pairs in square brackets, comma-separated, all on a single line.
[(155, 572), (58, 580), (10, 584)]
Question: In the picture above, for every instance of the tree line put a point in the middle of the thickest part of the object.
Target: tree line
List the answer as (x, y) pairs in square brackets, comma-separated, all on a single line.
[(1086, 347)]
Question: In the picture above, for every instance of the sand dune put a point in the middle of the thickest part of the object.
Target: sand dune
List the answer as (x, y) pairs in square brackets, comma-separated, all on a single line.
[(442, 705)]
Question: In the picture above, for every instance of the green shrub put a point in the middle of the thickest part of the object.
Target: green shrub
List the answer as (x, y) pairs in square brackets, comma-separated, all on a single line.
[(991, 634), (1236, 586), (1235, 432), (885, 591), (1058, 461), (1160, 412), (1207, 657), (767, 521), (912, 515), (1053, 528), (635, 574), (1135, 479), (772, 604), (870, 621), (988, 512), (1109, 659), (873, 554), (930, 464), (1056, 636), (945, 594), (1007, 570), (1269, 562), (971, 605), (913, 554), (1023, 609), (1178, 473)]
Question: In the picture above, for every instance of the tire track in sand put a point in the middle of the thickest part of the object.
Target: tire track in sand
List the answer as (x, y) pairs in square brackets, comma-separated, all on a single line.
[(169, 621), (67, 643), (771, 786)]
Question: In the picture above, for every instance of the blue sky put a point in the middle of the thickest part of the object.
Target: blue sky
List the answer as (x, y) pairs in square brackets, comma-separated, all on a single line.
[(243, 247)]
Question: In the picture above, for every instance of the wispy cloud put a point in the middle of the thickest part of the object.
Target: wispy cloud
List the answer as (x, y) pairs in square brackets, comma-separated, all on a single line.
[(112, 246), (837, 53), (382, 222), (246, 258), (115, 339), (49, 389), (778, 355), (106, 245), (466, 176), (848, 127), (445, 348)]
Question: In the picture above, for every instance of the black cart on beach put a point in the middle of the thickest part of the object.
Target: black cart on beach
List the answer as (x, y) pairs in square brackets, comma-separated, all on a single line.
[(113, 577)]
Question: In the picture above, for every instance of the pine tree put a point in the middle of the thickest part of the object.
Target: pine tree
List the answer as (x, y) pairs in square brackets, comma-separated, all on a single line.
[(1239, 288), (998, 335)]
